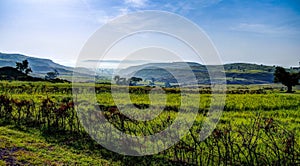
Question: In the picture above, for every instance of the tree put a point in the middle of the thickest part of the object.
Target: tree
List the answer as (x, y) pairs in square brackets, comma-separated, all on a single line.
[(286, 78), (117, 79), (167, 84), (134, 80), (51, 75), (23, 67), (152, 82), (121, 81)]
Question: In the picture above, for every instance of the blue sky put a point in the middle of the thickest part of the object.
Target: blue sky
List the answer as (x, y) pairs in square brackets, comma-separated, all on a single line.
[(263, 32)]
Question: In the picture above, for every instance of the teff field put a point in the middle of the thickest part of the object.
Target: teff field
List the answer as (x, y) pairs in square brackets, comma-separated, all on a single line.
[(260, 125)]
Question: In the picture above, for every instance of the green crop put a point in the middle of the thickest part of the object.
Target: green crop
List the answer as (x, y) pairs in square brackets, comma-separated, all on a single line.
[(257, 127)]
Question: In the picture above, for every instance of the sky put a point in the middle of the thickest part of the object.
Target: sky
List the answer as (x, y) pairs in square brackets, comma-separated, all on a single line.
[(254, 31)]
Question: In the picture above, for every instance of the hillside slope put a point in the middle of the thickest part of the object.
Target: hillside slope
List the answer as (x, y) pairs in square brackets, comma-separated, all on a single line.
[(40, 66), (236, 73)]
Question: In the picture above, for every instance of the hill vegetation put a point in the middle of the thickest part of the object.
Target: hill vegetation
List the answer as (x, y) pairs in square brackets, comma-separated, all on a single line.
[(39, 66), (20, 73), (10, 73), (236, 73)]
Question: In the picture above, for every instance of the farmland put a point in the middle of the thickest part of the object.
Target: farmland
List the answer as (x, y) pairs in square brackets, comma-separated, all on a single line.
[(259, 125)]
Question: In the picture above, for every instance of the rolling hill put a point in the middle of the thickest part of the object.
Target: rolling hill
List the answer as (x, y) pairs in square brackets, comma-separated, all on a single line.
[(40, 66), (236, 73)]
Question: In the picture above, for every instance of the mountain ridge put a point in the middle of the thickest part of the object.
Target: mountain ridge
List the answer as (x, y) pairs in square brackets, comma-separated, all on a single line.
[(39, 66), (236, 73)]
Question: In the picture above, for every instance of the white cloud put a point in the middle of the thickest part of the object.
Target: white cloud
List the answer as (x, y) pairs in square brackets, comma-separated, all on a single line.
[(257, 28), (183, 7), (264, 29), (136, 3), (207, 3)]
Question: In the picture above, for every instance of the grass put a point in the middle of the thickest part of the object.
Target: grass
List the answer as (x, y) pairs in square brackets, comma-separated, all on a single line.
[(30, 147), (263, 113)]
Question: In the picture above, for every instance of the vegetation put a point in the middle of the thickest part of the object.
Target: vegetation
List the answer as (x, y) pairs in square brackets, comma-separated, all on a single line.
[(236, 73), (21, 72), (40, 67), (259, 126), (51, 75), (286, 78), (31, 147), (132, 81), (10, 73), (23, 67)]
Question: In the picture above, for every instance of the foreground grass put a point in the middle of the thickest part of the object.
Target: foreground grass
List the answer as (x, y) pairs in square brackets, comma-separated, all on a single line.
[(30, 148), (254, 129)]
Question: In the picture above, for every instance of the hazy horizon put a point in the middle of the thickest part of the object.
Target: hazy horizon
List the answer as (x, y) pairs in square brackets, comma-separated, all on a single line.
[(113, 63)]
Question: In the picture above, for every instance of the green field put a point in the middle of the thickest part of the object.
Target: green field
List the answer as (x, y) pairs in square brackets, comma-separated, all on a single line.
[(260, 125)]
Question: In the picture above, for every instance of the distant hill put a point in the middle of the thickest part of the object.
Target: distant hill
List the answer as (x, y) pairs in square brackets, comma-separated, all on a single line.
[(236, 73), (244, 73), (39, 66)]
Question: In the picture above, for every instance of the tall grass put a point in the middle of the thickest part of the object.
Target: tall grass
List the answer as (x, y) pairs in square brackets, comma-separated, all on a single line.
[(255, 129)]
